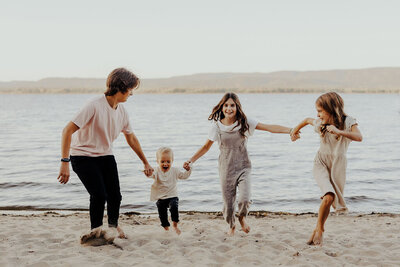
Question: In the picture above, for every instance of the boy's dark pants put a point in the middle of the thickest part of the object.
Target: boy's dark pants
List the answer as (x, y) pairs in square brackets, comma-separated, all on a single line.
[(99, 175), (163, 205)]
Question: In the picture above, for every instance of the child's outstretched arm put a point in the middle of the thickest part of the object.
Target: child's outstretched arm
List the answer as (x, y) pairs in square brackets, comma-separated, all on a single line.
[(273, 128), (185, 175), (354, 133), (203, 150), (302, 124), (278, 129), (133, 142), (296, 130)]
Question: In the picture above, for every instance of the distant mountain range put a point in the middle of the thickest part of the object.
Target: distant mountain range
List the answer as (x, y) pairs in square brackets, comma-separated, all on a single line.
[(372, 80)]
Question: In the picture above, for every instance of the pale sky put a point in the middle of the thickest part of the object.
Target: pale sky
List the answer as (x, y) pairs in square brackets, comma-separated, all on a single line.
[(78, 38)]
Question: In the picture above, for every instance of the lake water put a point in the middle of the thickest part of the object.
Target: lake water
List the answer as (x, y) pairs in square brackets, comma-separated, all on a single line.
[(31, 126)]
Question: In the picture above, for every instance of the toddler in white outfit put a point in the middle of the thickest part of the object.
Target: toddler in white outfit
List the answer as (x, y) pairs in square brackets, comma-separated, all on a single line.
[(164, 189)]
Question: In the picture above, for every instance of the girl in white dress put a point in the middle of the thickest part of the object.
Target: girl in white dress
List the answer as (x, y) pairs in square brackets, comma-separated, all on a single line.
[(336, 130)]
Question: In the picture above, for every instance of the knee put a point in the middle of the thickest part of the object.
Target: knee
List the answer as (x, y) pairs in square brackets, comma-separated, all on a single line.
[(114, 198), (244, 202), (160, 205), (329, 198), (244, 205), (173, 206)]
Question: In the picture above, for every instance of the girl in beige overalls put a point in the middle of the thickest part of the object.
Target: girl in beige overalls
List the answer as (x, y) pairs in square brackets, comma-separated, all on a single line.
[(336, 130), (230, 130)]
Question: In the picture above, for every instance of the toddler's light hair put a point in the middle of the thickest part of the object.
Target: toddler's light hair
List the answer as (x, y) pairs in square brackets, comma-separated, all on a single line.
[(163, 150)]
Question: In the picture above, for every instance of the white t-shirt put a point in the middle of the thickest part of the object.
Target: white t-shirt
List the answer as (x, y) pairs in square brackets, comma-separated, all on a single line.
[(99, 125), (213, 133), (164, 185)]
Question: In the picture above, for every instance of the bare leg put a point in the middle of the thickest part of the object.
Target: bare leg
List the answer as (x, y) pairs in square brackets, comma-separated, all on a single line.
[(317, 235), (245, 226), (166, 228), (232, 231), (177, 230)]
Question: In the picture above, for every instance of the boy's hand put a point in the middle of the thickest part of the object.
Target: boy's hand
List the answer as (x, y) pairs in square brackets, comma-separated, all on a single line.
[(63, 176), (148, 170)]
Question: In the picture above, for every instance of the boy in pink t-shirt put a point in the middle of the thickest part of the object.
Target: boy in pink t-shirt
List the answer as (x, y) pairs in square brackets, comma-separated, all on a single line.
[(87, 143)]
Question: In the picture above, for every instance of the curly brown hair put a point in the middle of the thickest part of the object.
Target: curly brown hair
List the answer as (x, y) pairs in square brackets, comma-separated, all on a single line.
[(217, 113)]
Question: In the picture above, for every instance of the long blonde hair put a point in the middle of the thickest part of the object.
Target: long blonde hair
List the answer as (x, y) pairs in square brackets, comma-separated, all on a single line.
[(333, 104)]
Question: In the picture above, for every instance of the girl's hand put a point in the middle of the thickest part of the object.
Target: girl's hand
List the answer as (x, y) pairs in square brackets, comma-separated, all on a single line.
[(294, 137), (186, 165), (332, 129), (148, 170), (63, 176), (294, 134)]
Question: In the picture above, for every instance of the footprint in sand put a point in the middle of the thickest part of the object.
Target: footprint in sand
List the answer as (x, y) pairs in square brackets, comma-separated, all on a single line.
[(332, 254), (223, 248), (258, 235), (141, 242), (165, 242)]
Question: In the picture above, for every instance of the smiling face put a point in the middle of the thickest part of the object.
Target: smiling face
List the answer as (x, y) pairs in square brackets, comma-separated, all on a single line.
[(323, 115), (229, 109), (165, 161)]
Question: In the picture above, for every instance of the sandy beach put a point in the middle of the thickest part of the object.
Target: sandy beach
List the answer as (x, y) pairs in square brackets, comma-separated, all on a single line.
[(53, 239)]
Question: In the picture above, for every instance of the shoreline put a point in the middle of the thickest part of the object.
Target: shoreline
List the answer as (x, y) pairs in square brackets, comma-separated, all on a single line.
[(254, 213)]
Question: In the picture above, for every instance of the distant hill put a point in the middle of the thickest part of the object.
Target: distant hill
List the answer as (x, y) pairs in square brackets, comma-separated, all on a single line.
[(372, 80)]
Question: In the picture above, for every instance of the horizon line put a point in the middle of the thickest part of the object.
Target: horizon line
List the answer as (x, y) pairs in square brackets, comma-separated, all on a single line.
[(201, 73)]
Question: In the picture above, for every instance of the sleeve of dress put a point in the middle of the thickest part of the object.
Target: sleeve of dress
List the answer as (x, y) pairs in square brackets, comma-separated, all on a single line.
[(349, 122), (84, 115), (317, 125), (213, 133)]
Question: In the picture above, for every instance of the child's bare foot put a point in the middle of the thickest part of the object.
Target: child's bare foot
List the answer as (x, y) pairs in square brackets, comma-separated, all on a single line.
[(177, 230), (310, 241), (316, 237), (121, 233), (245, 226), (232, 231), (166, 228)]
